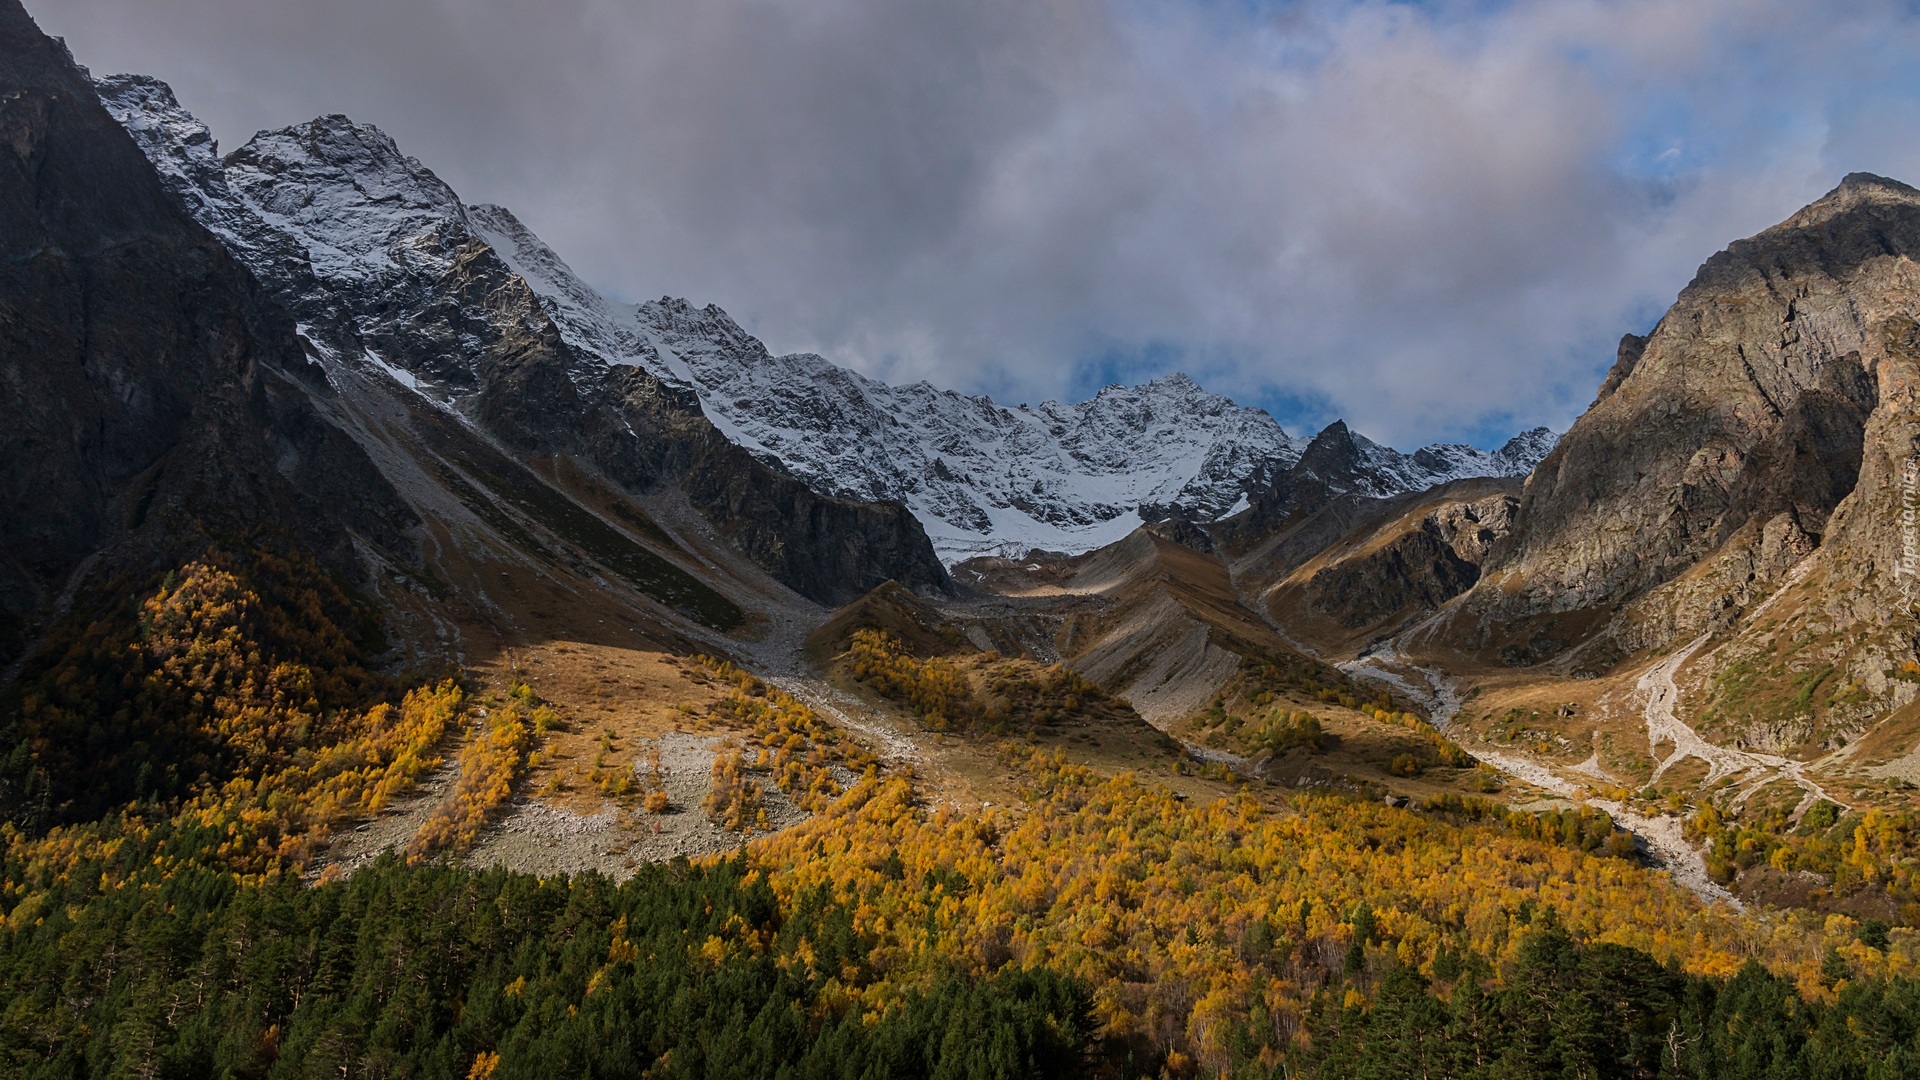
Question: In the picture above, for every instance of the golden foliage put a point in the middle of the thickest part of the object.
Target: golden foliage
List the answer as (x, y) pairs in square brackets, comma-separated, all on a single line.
[(261, 828), (1278, 732), (1188, 920), (234, 665), (796, 746), (934, 688), (734, 801), (611, 779), (247, 676), (1585, 828), (275, 823), (981, 690), (492, 759), (1876, 849), (1277, 729), (1262, 682), (1438, 748)]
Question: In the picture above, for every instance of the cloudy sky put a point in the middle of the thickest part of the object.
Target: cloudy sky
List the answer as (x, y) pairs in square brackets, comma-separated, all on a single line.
[(1433, 219)]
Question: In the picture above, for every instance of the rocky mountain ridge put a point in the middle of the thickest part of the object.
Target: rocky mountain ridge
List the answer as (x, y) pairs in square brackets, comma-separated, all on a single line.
[(1709, 565), (982, 477), (340, 201), (1728, 444), (390, 274)]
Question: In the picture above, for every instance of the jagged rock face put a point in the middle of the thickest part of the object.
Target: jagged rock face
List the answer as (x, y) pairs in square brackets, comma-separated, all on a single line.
[(1347, 462), (155, 399), (1353, 476), (1400, 563), (1471, 528), (1723, 444), (1418, 570), (386, 268)]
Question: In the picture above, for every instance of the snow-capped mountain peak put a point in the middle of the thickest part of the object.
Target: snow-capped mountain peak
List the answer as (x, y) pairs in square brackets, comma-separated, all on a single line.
[(339, 203), (1350, 462), (345, 188)]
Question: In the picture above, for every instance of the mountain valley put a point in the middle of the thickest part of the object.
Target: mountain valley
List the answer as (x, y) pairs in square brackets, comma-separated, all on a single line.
[(359, 553)]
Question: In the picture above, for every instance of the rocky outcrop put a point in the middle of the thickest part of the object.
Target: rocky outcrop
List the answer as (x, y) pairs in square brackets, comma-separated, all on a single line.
[(1632, 347), (1395, 567), (155, 399), (1471, 527), (1764, 420), (1415, 571)]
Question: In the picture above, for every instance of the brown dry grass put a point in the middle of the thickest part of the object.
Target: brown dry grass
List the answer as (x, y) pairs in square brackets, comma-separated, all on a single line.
[(607, 694)]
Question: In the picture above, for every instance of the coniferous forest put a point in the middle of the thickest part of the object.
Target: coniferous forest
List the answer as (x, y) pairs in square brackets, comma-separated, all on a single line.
[(435, 971)]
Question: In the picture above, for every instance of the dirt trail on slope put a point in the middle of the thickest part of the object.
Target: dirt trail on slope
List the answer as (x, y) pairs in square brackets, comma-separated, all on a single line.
[(1664, 834)]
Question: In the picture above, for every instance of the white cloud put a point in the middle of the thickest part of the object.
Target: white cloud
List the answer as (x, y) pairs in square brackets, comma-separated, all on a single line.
[(1432, 218)]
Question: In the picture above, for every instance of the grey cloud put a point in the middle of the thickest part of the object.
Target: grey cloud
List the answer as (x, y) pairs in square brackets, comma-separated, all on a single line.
[(1418, 215)]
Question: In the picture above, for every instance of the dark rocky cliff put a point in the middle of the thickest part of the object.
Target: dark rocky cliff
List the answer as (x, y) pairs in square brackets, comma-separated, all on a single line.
[(155, 399)]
